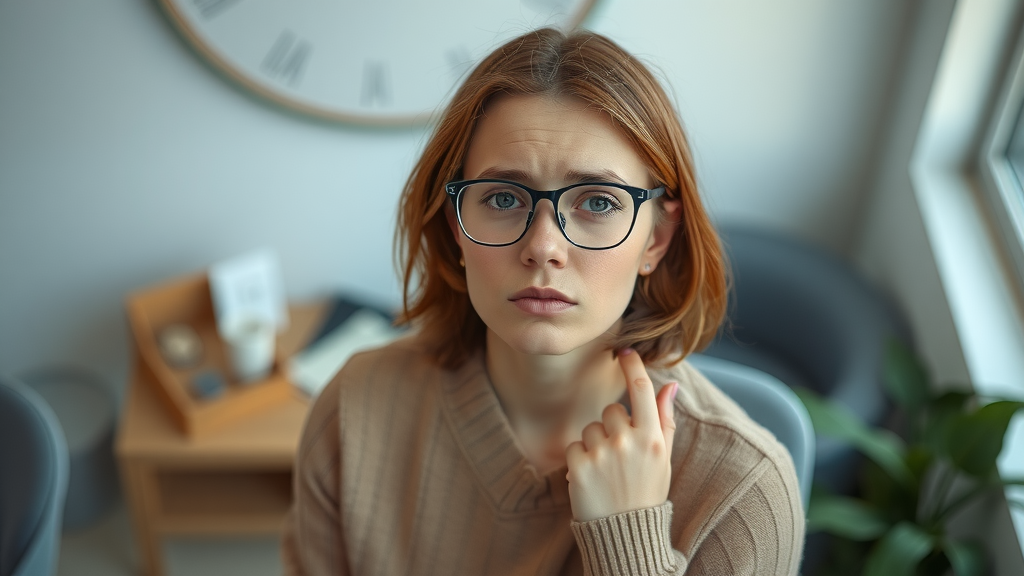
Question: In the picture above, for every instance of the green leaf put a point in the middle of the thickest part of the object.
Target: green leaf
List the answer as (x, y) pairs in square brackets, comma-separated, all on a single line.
[(894, 500), (843, 516), (881, 446), (919, 459), (899, 552), (966, 558), (905, 379), (975, 440), (939, 415)]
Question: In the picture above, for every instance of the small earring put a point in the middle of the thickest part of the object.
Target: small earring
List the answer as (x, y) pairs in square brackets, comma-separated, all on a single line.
[(462, 261), (647, 267)]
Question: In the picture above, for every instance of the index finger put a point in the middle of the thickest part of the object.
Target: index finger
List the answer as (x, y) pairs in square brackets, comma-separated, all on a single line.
[(641, 390)]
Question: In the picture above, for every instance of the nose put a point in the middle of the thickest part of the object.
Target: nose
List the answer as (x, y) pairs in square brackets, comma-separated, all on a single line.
[(544, 242)]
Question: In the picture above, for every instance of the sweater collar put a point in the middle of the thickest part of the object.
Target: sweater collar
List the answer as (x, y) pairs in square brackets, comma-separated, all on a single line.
[(489, 445)]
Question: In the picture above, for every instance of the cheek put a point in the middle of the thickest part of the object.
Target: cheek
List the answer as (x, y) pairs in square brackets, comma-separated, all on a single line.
[(612, 280), (485, 272)]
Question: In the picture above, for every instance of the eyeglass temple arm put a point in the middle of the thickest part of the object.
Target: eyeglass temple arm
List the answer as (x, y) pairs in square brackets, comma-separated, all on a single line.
[(653, 193)]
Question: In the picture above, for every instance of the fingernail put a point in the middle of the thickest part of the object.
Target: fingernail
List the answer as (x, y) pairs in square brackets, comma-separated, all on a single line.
[(675, 389), (626, 351)]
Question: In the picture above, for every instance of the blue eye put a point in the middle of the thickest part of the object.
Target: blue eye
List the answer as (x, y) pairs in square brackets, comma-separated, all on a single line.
[(503, 201), (596, 204), (599, 204)]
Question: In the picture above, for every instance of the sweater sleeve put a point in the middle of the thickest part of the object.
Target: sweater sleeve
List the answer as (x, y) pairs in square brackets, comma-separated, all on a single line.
[(758, 534), (634, 542), (312, 542)]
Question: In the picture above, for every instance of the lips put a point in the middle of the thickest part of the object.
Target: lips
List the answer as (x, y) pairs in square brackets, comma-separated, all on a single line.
[(541, 294), (541, 301)]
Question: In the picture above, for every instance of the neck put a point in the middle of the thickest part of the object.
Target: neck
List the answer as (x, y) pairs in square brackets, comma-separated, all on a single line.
[(549, 399)]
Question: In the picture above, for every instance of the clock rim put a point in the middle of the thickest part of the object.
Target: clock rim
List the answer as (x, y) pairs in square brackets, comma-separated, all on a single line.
[(224, 67)]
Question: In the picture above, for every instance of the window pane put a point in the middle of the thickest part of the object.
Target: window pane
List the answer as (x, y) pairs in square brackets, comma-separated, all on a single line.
[(1015, 152)]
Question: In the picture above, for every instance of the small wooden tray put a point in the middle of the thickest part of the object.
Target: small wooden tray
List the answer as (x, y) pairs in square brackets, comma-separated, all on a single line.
[(188, 301)]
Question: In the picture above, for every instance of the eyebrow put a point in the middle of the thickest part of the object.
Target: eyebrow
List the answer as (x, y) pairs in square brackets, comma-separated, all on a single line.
[(574, 176), (604, 175), (505, 174)]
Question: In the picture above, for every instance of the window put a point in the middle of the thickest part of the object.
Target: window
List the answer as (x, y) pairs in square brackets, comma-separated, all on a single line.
[(1002, 162), (1015, 152)]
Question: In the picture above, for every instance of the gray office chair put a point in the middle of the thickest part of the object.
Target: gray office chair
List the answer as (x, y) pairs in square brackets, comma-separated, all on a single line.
[(771, 404), (807, 318), (33, 482)]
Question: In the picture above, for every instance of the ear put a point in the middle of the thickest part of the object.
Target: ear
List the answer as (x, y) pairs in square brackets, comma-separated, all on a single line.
[(662, 236)]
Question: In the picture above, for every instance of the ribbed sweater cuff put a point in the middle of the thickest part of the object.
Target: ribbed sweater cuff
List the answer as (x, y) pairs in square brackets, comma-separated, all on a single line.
[(635, 542)]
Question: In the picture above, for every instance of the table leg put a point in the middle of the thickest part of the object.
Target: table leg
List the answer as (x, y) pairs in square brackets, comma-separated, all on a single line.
[(143, 498)]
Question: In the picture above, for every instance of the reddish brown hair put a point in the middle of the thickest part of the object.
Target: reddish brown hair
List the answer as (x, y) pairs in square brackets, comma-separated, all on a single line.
[(675, 310)]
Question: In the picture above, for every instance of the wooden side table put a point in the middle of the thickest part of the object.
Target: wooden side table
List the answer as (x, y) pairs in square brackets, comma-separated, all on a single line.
[(237, 480)]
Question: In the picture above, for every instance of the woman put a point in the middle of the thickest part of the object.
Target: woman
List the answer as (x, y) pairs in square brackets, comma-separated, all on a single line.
[(553, 246)]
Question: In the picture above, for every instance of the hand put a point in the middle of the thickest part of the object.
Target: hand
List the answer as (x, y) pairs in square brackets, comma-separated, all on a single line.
[(624, 463)]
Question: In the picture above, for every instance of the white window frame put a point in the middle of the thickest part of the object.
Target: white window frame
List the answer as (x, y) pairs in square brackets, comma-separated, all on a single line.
[(1001, 187), (981, 286)]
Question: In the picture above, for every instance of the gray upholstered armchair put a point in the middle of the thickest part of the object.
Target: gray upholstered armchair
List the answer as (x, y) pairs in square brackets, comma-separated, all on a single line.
[(805, 317), (33, 482)]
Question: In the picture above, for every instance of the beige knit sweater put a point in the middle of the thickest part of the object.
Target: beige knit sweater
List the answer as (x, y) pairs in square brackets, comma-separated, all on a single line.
[(405, 468)]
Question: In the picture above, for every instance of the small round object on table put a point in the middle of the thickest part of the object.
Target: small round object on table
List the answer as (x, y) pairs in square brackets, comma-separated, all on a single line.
[(86, 410), (180, 346), (208, 385)]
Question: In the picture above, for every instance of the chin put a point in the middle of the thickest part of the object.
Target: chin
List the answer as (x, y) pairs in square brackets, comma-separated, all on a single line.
[(547, 340), (534, 348)]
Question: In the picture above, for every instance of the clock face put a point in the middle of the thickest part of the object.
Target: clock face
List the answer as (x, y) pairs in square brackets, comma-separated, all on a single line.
[(372, 61)]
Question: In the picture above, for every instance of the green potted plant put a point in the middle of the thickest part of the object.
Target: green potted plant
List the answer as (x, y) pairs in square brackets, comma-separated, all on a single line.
[(942, 460)]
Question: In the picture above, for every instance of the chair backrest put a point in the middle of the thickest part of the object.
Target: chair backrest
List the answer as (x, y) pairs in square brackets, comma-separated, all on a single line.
[(34, 468), (809, 318), (771, 404)]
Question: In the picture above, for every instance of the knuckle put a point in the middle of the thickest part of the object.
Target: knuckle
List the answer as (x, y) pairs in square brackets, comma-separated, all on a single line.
[(599, 455), (619, 442), (615, 410), (653, 442), (574, 453)]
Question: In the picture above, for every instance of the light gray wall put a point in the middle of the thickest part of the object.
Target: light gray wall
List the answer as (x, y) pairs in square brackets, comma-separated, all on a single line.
[(124, 161), (783, 100), (893, 247)]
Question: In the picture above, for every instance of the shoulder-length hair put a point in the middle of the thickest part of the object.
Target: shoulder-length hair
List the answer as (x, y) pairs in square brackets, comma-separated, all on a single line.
[(675, 310)]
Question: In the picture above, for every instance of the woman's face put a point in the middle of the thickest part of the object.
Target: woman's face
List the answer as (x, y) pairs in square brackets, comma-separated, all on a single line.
[(542, 295)]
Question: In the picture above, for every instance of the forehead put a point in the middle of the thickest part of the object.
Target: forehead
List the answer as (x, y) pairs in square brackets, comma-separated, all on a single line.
[(547, 138)]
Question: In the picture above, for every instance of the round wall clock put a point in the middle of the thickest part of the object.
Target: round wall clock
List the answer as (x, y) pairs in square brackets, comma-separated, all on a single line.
[(378, 62)]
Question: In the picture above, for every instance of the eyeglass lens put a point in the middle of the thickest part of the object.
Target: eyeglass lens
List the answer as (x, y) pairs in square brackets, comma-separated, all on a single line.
[(592, 215)]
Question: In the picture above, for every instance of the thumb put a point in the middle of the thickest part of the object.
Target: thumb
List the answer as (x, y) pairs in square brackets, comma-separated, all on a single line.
[(666, 413)]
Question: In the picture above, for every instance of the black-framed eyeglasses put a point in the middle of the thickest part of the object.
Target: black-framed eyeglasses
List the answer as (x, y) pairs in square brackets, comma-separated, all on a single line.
[(591, 215)]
